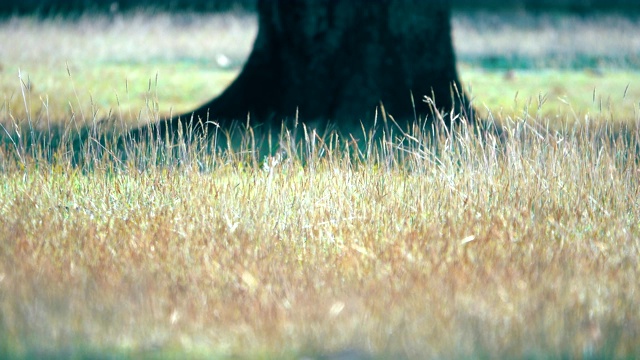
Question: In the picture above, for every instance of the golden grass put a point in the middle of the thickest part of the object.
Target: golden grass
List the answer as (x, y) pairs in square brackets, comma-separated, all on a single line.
[(455, 246)]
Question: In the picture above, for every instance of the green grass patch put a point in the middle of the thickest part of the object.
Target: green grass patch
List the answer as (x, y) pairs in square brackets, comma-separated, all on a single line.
[(127, 89), (122, 89), (556, 94)]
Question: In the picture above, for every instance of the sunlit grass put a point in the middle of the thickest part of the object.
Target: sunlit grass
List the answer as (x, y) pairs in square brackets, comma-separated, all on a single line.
[(178, 87), (564, 94), (82, 90), (461, 245)]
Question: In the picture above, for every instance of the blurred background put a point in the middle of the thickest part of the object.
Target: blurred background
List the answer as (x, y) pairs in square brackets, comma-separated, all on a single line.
[(170, 56), (78, 6)]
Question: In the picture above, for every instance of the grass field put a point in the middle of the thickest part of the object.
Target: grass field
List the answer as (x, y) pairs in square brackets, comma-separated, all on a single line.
[(454, 245)]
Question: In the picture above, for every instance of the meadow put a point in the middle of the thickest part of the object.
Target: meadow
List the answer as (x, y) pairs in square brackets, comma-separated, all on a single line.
[(409, 244)]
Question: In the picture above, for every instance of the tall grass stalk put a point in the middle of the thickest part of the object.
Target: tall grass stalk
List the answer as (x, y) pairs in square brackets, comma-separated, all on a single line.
[(415, 243)]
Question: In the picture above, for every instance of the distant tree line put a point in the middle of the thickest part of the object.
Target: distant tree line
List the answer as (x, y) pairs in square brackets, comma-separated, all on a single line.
[(48, 7)]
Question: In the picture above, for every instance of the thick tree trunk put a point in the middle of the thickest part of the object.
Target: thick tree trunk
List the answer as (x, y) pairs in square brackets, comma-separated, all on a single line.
[(337, 61)]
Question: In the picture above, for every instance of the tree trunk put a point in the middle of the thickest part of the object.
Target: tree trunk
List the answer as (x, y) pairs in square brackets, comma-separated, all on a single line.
[(337, 61)]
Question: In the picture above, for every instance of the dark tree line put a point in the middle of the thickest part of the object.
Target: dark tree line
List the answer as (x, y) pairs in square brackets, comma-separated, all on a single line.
[(45, 7)]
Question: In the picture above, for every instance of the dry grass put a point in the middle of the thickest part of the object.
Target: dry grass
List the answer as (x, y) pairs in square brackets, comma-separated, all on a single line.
[(418, 246), (453, 246)]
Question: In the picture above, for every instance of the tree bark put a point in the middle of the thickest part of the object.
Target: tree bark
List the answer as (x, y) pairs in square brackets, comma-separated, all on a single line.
[(337, 61)]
